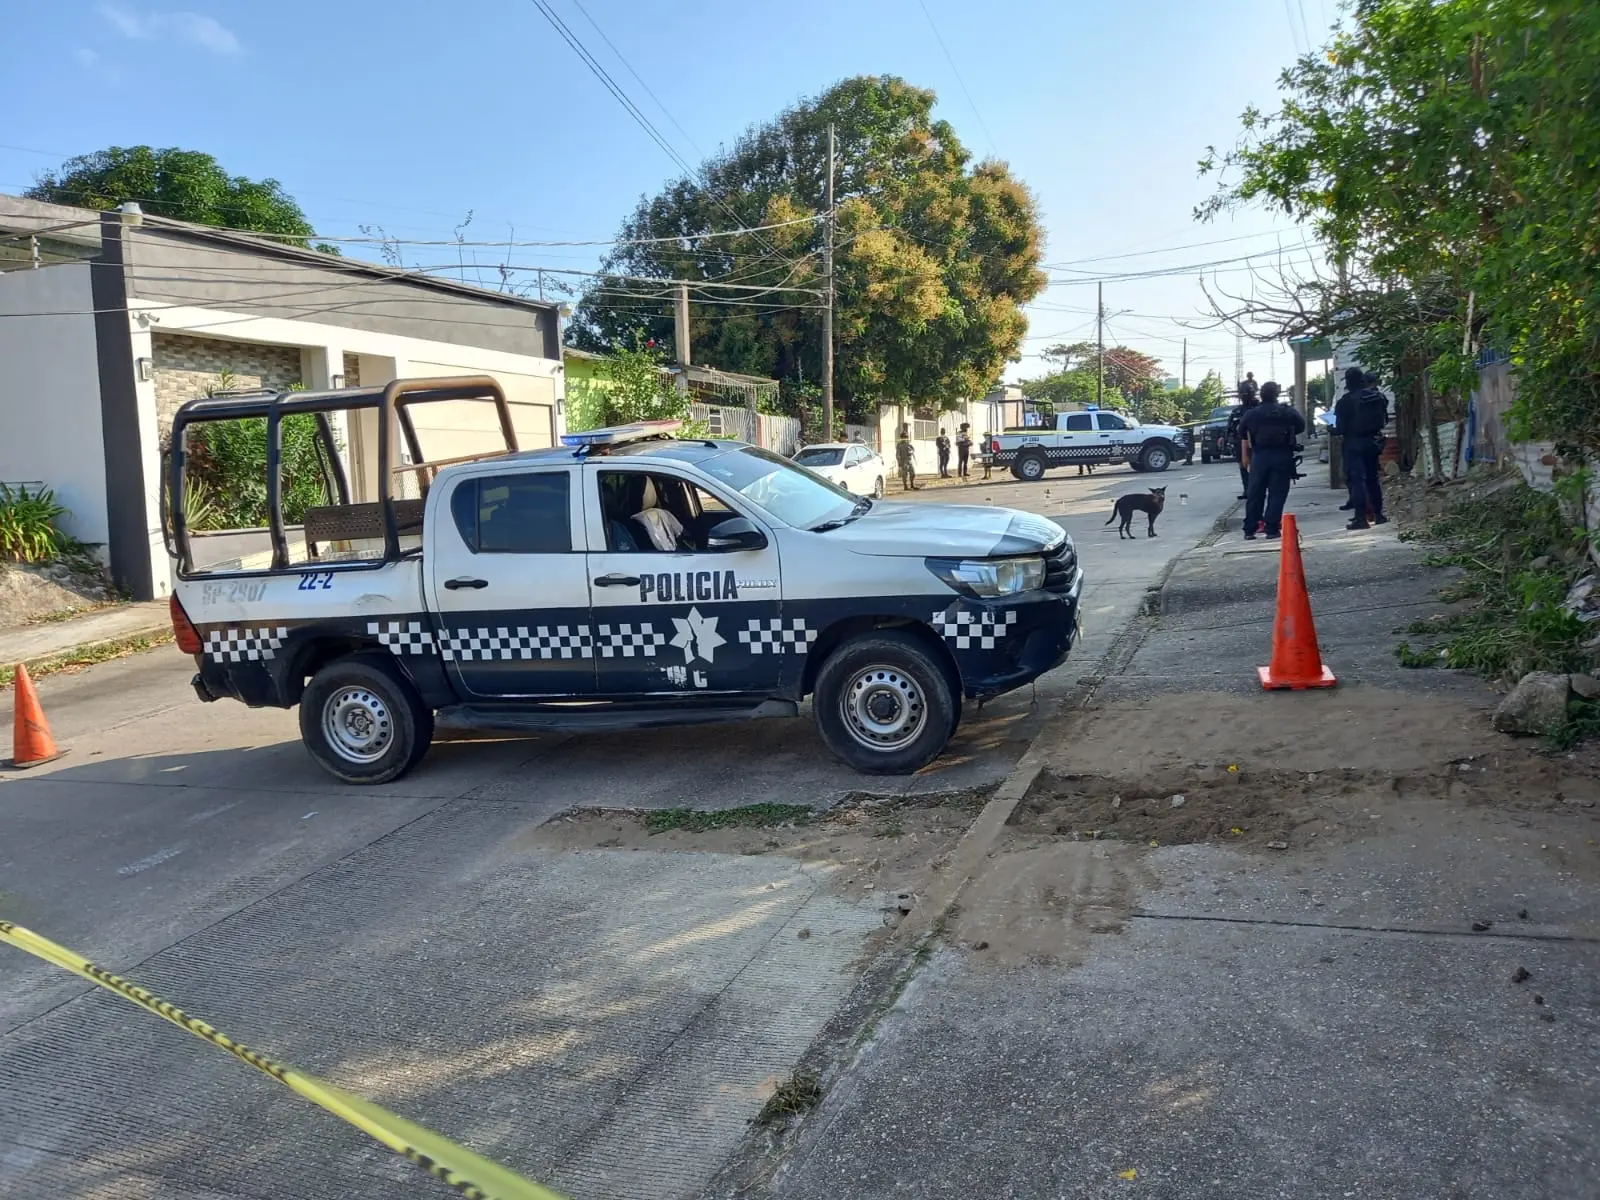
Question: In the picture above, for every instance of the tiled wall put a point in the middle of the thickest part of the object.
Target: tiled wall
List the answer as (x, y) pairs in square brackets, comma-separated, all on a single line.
[(188, 367)]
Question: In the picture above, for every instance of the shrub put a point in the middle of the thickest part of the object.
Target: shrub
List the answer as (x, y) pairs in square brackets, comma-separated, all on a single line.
[(28, 531), (227, 464)]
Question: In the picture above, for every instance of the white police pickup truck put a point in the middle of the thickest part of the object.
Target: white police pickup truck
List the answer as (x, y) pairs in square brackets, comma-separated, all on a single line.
[(1091, 438), (624, 579)]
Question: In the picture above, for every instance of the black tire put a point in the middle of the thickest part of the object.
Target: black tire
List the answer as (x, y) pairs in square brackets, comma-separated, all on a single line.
[(877, 489), (1156, 456), (1031, 467), (379, 706), (1135, 464), (902, 673)]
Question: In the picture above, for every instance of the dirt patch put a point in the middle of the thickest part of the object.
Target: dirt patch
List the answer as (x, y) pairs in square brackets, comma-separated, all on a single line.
[(1279, 810), (1041, 899), (57, 591), (883, 851), (1352, 726)]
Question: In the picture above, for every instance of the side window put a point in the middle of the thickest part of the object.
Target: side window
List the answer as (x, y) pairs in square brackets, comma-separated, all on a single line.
[(515, 514), (1111, 421), (1079, 422)]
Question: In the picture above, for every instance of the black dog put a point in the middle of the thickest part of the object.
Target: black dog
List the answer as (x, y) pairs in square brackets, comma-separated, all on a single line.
[(1150, 503)]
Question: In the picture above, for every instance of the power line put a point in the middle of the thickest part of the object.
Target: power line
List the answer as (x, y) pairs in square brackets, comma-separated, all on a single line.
[(633, 110), (596, 27), (1243, 237), (982, 124)]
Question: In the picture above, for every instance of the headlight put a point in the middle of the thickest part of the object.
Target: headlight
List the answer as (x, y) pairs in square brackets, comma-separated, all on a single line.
[(989, 578)]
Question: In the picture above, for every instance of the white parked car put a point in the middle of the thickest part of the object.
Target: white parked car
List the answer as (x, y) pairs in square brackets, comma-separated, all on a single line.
[(852, 465)]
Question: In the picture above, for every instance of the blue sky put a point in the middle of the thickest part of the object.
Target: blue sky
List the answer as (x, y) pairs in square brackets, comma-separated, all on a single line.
[(408, 114)]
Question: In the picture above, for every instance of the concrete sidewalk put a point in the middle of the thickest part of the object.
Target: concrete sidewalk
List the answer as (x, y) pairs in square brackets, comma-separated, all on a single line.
[(29, 643), (1357, 959)]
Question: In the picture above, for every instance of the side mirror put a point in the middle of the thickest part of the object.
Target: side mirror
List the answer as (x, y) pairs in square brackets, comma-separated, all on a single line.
[(736, 533)]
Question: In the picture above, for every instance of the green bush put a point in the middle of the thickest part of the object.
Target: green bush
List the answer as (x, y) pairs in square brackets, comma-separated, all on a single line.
[(28, 531), (227, 465), (1518, 555)]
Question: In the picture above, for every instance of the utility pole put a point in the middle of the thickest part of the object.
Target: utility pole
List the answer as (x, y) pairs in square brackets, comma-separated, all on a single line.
[(827, 313), (680, 335), (1238, 358), (1185, 380), (1100, 343)]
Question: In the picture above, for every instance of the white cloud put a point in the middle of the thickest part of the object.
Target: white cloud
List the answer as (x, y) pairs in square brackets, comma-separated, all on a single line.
[(195, 28), (85, 56)]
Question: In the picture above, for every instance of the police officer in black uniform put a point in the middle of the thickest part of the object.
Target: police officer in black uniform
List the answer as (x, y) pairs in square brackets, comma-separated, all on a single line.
[(1271, 429)]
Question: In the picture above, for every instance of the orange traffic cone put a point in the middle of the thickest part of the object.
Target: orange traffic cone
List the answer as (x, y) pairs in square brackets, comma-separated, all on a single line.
[(31, 741), (1296, 661)]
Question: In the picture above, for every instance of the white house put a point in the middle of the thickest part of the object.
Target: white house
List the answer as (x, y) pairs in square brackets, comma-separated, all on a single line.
[(110, 321)]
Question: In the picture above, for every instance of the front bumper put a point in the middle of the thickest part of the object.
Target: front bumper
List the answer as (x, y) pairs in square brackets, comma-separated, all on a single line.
[(1039, 631)]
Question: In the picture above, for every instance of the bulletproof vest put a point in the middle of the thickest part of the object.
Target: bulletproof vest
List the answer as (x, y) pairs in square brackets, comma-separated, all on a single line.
[(1272, 427)]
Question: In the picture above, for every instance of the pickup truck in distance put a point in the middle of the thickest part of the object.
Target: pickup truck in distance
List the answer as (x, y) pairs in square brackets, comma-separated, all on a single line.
[(622, 579), (1092, 437)]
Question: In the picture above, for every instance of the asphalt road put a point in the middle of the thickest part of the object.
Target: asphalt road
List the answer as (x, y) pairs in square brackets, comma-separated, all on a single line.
[(605, 1022)]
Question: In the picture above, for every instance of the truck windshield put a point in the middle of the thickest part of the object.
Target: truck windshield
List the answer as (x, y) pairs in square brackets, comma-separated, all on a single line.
[(777, 486)]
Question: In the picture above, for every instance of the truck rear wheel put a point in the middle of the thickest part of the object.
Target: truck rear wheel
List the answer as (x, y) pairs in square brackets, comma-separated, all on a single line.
[(884, 704), (363, 722), (1031, 467)]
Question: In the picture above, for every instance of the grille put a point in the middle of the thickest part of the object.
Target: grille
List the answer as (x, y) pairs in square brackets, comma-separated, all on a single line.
[(1059, 566)]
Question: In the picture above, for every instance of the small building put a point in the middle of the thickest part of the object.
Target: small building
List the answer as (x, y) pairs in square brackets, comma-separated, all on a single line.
[(110, 321)]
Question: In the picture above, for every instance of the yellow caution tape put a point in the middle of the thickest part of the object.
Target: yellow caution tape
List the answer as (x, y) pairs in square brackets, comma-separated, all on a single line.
[(470, 1174)]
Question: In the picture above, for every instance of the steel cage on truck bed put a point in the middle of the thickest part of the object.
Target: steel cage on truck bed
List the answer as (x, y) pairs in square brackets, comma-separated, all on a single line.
[(392, 402)]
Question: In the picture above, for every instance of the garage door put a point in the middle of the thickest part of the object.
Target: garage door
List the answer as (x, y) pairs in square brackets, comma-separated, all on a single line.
[(456, 428)]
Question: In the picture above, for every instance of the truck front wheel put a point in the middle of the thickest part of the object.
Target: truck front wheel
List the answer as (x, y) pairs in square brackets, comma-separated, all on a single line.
[(1156, 456), (363, 722), (884, 705)]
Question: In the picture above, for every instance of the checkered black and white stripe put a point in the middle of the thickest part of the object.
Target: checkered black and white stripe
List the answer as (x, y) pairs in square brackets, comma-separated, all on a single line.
[(402, 637), (240, 645), (505, 643), (775, 635), (969, 629), (629, 641)]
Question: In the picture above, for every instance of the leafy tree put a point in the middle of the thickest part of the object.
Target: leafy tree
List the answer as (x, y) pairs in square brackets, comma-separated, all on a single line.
[(1323, 391), (1181, 406), (185, 185), (935, 257), (1129, 371), (1448, 155), (1071, 389)]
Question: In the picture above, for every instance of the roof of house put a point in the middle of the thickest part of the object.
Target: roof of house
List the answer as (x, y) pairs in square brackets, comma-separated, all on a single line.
[(19, 215)]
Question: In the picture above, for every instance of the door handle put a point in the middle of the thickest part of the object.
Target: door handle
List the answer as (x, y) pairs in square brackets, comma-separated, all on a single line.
[(457, 584), (615, 580)]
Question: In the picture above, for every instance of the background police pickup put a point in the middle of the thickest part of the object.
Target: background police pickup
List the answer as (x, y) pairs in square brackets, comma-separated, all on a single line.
[(531, 598)]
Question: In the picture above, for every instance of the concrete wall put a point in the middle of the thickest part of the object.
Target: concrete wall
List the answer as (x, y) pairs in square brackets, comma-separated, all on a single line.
[(50, 393), (254, 278)]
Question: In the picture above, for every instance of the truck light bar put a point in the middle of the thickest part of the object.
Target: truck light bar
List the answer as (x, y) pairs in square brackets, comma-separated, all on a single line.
[(618, 435)]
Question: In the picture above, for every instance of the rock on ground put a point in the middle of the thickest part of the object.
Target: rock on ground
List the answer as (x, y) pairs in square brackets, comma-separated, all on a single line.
[(1536, 705)]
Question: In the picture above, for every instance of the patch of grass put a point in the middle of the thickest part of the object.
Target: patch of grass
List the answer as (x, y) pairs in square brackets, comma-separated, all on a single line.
[(88, 656), (1518, 555), (892, 828), (799, 1093), (750, 816), (1582, 723)]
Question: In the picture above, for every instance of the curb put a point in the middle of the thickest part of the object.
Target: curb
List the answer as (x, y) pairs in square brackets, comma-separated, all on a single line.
[(39, 665)]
